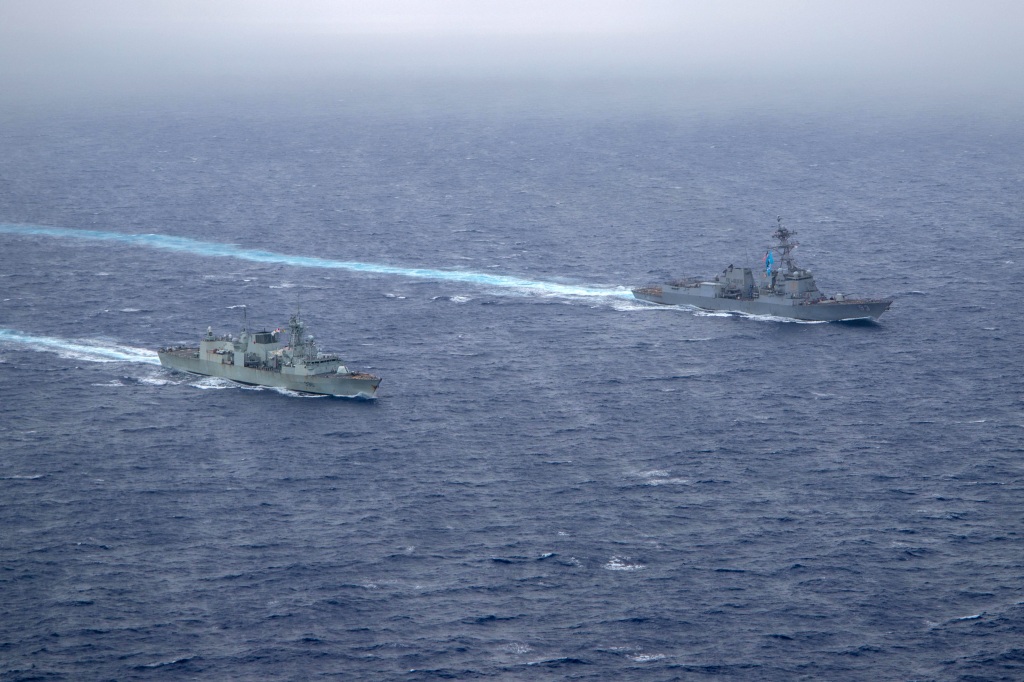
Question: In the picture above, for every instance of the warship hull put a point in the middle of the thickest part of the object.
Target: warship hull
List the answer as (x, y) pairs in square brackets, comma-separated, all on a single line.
[(354, 385), (788, 291), (828, 310)]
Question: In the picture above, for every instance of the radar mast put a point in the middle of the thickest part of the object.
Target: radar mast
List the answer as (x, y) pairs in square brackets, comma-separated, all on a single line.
[(785, 246)]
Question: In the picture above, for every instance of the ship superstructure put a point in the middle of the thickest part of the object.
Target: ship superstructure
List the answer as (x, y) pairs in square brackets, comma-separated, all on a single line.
[(263, 358), (782, 291)]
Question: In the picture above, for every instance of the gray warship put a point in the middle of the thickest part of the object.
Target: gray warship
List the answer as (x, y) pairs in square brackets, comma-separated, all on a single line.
[(787, 292), (264, 359)]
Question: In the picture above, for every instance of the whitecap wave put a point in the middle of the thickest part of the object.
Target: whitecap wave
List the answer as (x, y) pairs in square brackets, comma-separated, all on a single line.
[(288, 392), (453, 299), (668, 481), (620, 563), (626, 306), (661, 477), (155, 381), (212, 383), (756, 317), (517, 648)]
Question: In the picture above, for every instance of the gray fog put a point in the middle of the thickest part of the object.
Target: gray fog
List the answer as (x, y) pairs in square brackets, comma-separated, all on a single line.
[(958, 50)]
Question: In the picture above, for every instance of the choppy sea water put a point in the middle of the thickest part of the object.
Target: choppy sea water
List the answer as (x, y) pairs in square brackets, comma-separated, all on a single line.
[(556, 481)]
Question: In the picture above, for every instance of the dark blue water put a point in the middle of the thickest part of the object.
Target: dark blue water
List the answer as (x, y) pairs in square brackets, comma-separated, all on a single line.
[(556, 481)]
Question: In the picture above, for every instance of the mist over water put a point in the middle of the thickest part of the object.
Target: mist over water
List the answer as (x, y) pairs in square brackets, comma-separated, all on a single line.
[(838, 54)]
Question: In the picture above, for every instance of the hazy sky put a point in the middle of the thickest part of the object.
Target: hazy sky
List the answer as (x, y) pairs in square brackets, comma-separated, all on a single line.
[(956, 45)]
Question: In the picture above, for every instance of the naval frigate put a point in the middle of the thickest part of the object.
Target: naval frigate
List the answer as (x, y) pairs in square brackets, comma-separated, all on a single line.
[(264, 359), (787, 291)]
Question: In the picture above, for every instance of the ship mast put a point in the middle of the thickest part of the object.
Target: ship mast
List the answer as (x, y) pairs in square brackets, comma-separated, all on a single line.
[(297, 342), (784, 246)]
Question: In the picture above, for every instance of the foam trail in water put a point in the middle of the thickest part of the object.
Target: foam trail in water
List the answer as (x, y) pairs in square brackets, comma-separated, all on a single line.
[(92, 351), (184, 244)]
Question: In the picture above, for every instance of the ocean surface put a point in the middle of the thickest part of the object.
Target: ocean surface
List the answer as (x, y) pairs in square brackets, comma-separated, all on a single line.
[(556, 481)]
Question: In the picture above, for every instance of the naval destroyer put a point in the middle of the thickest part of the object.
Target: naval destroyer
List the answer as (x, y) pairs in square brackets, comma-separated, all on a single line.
[(264, 359), (785, 291)]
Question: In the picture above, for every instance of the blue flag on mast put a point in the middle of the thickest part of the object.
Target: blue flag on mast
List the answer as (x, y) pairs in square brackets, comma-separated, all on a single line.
[(768, 262)]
